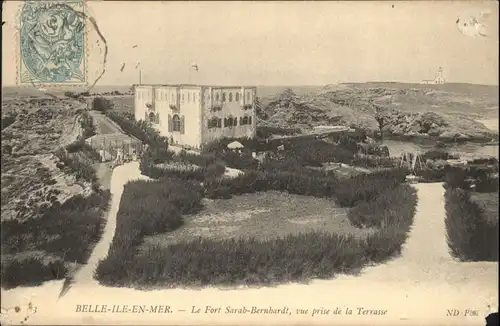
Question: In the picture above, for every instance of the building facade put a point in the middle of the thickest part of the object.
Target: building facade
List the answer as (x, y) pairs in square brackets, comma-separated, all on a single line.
[(194, 115)]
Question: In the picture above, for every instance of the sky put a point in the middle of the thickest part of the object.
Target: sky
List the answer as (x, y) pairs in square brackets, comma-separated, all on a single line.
[(280, 43)]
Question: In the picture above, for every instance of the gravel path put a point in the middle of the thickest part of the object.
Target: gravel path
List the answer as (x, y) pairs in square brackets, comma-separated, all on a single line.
[(416, 288), (119, 178)]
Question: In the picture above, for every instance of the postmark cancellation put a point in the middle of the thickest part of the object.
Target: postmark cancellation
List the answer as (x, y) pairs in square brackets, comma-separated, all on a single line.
[(52, 43)]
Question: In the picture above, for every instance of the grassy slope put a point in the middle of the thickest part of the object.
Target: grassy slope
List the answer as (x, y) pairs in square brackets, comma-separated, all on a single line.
[(43, 239)]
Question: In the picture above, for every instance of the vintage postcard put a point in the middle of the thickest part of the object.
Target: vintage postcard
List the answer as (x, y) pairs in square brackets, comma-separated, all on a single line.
[(249, 163)]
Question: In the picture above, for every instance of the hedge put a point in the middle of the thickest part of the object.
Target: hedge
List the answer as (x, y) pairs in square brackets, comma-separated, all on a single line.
[(471, 235)]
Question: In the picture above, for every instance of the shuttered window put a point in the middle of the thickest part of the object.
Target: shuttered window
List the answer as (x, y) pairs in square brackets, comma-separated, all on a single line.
[(176, 123), (182, 127), (170, 123)]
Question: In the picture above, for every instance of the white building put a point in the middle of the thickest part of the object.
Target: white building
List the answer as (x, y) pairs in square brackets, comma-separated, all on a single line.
[(194, 115), (439, 80)]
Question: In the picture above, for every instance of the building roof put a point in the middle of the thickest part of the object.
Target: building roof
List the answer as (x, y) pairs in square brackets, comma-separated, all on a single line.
[(194, 85)]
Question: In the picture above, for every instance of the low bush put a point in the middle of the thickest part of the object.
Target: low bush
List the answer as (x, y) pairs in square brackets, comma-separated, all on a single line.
[(87, 124), (81, 146), (484, 161), (31, 272), (364, 187), (8, 119), (370, 161), (249, 261), (157, 206), (436, 154), (68, 231), (471, 235), (380, 212), (81, 170), (147, 207), (72, 95), (317, 152), (141, 130), (102, 104), (266, 131), (202, 160), (290, 258)]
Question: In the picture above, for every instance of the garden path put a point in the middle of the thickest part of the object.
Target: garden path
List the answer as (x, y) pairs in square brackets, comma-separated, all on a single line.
[(121, 175), (419, 287)]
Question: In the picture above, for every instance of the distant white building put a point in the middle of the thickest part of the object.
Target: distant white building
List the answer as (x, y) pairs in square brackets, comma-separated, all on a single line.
[(439, 80)]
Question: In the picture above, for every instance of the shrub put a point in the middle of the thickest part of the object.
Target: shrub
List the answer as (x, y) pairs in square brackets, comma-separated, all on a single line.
[(267, 131), (87, 124), (147, 207), (141, 130), (9, 119), (71, 94), (485, 161), (81, 170), (471, 236), (153, 207), (370, 161), (317, 152), (436, 154), (68, 231), (31, 272), (102, 104), (364, 187), (380, 211)]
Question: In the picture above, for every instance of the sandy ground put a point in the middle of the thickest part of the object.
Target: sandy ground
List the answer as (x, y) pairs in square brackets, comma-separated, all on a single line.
[(415, 289), (491, 124)]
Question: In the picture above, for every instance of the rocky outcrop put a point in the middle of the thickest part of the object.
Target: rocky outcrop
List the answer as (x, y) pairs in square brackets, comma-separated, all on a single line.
[(360, 108)]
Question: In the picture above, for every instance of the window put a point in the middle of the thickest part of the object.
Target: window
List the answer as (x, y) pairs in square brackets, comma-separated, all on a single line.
[(223, 97), (214, 123), (176, 123), (229, 122), (194, 97), (246, 120), (248, 96), (217, 96), (172, 98), (152, 117), (237, 97), (230, 97), (235, 122), (189, 97), (182, 97)]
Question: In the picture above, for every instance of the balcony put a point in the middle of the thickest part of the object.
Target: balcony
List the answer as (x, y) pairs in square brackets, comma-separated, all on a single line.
[(216, 108)]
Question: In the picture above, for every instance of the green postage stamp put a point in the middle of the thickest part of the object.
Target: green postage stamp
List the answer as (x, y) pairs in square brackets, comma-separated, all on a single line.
[(52, 43)]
